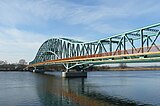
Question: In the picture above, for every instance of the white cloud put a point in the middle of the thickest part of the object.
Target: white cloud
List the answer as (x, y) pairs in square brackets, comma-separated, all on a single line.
[(16, 44), (100, 17), (20, 38), (19, 44), (26, 12), (39, 12)]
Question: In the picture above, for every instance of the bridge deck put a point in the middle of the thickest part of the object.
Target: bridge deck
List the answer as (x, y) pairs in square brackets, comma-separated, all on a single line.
[(99, 58)]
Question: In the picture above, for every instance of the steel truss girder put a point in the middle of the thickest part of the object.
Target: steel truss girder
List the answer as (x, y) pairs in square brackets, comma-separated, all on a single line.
[(60, 48)]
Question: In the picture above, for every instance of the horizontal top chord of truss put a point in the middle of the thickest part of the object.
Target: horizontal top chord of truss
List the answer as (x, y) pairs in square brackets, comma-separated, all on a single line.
[(60, 48)]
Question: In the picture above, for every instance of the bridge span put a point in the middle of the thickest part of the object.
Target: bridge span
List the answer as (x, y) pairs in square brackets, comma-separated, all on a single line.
[(139, 45)]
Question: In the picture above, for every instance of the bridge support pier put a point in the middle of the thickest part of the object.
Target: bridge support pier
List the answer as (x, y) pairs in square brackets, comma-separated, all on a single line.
[(38, 70), (74, 74)]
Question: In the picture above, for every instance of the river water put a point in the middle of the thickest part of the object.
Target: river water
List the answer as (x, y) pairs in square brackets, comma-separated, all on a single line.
[(112, 88)]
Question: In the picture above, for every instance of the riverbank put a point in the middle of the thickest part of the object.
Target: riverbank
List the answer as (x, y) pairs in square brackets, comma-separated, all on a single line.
[(14, 71), (126, 68), (94, 68), (132, 69), (12, 67)]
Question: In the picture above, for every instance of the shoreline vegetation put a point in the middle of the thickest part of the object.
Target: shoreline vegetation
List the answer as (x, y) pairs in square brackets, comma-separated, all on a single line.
[(12, 67), (131, 69), (15, 67)]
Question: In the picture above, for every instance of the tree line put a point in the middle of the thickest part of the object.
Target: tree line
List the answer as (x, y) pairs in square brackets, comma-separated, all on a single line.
[(5, 66)]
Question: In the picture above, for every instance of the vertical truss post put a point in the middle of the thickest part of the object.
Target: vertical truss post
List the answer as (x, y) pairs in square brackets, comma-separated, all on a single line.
[(82, 50), (67, 67), (124, 44), (132, 41), (68, 51), (88, 48), (141, 38), (110, 45), (78, 50), (94, 48), (100, 48), (147, 42), (91, 48), (71, 50), (59, 48), (120, 48)]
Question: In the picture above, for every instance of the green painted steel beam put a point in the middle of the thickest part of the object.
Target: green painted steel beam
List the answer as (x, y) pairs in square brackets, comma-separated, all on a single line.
[(59, 48)]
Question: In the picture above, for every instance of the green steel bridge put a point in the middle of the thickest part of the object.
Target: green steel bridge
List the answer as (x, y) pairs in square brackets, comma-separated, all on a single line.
[(139, 45)]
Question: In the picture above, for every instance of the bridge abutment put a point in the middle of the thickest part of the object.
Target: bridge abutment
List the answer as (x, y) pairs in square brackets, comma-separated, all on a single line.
[(74, 74)]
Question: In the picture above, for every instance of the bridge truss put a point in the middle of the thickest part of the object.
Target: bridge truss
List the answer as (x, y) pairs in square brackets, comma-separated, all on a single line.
[(140, 45)]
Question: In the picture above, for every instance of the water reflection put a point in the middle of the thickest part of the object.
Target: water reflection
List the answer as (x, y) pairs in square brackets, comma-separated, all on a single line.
[(50, 92), (56, 91)]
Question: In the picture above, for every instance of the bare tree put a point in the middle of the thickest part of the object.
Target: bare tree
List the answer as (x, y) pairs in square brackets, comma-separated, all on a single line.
[(22, 62), (3, 62)]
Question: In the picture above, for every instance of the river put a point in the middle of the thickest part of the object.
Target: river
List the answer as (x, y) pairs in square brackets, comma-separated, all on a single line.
[(101, 88)]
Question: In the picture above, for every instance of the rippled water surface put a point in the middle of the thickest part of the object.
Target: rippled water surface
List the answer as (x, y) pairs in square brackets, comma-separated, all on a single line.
[(113, 88)]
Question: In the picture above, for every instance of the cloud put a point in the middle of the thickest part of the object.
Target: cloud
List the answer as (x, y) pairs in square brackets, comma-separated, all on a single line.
[(20, 38), (40, 12), (22, 21), (25, 11), (19, 44), (16, 44)]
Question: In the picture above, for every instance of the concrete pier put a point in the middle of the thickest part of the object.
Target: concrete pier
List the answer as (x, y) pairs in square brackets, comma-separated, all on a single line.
[(38, 71), (75, 74)]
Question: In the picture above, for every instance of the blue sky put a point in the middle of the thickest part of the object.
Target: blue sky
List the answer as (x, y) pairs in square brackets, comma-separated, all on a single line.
[(26, 24)]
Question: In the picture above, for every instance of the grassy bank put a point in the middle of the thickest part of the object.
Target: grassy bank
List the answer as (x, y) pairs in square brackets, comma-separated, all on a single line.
[(131, 69)]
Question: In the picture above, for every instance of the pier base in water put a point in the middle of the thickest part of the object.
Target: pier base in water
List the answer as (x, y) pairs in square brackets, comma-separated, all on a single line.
[(38, 71), (74, 74)]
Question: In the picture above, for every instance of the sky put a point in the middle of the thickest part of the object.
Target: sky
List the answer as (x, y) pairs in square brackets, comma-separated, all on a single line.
[(26, 24)]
